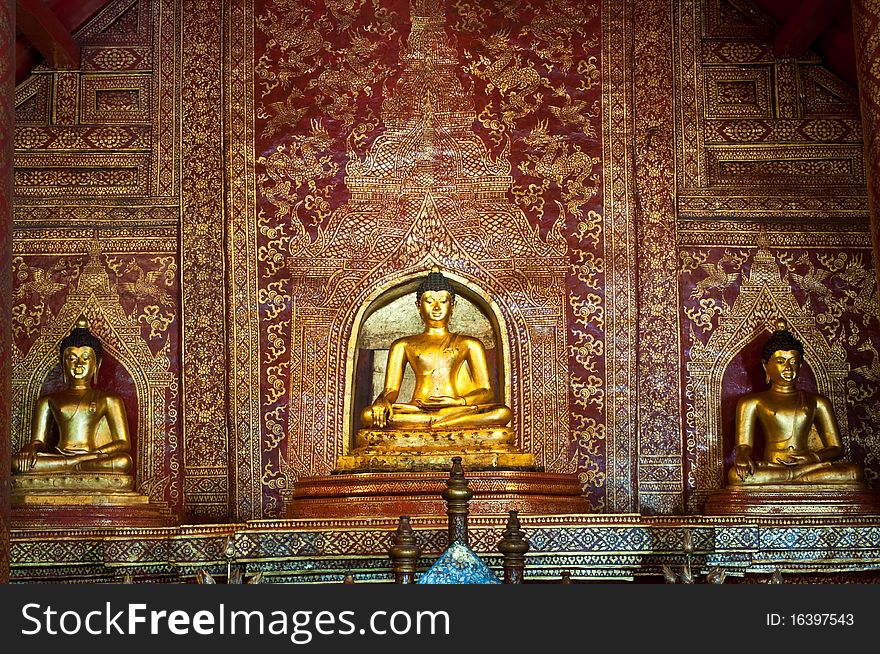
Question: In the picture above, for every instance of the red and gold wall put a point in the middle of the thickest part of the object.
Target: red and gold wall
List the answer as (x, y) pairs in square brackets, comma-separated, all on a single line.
[(772, 220), (224, 185), (7, 80)]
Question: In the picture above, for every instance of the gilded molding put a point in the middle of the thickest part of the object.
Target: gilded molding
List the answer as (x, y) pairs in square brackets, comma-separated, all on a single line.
[(619, 251), (204, 389), (622, 548), (660, 478), (246, 440)]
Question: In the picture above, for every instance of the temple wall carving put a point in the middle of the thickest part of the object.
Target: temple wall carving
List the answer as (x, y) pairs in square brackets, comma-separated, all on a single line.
[(96, 220), (225, 185), (780, 141)]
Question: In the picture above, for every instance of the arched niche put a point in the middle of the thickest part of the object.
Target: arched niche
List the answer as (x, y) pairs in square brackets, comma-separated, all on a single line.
[(128, 369), (391, 313), (729, 366)]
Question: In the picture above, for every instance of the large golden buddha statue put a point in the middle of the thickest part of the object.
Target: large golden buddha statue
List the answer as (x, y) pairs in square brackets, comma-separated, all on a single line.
[(93, 434), (444, 397), (787, 415), (452, 411)]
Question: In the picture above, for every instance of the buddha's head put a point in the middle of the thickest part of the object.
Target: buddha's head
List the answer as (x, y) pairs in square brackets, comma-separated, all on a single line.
[(782, 356), (435, 298), (80, 354)]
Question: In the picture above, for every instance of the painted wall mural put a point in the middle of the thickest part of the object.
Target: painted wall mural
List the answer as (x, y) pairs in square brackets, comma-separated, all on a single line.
[(392, 137), (733, 291), (224, 213)]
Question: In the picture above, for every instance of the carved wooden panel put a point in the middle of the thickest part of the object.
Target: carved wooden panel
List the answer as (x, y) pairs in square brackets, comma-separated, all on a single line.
[(756, 135)]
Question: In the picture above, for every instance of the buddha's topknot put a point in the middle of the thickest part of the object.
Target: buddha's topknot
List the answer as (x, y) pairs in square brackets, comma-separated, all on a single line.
[(781, 339), (80, 336), (435, 281)]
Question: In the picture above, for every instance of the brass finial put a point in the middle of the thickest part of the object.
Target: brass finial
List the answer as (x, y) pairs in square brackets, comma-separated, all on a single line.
[(457, 484), (404, 552), (457, 495), (82, 322), (781, 325), (513, 547)]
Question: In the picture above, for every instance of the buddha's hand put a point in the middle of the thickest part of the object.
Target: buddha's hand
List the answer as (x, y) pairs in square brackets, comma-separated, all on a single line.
[(797, 459), (435, 402), (26, 459), (382, 412), (744, 466)]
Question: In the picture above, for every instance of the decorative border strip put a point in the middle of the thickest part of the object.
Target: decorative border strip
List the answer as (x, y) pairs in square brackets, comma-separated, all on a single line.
[(619, 547)]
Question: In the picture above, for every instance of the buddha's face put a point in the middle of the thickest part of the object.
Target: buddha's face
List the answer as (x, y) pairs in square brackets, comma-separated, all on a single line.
[(80, 364), (435, 307), (783, 367)]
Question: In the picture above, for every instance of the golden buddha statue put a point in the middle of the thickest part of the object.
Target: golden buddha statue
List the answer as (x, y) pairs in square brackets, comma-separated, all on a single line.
[(787, 416), (442, 398), (452, 411), (93, 434)]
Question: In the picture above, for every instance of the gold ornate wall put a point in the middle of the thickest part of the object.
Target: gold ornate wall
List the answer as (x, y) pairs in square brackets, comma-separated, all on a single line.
[(96, 229), (7, 83), (389, 138), (777, 141), (225, 184)]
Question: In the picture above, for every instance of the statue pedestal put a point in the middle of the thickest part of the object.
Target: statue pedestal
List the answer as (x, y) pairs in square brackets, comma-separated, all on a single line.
[(794, 500), (392, 494), (82, 500), (390, 473), (385, 450)]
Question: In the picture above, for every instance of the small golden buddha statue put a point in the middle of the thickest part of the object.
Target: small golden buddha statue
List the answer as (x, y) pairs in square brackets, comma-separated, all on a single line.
[(452, 410), (93, 432), (787, 415)]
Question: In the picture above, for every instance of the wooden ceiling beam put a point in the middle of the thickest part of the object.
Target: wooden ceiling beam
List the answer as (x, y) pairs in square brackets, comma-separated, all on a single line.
[(43, 29), (805, 25)]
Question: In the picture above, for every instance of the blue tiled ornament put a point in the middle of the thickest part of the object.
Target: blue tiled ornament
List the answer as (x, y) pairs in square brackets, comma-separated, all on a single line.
[(459, 565)]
